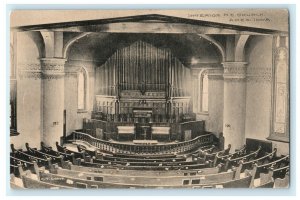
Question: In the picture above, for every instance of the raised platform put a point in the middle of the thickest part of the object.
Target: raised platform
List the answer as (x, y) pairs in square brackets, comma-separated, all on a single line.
[(145, 142)]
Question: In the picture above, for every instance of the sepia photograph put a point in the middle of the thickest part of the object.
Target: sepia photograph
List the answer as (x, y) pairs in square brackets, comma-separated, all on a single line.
[(149, 99)]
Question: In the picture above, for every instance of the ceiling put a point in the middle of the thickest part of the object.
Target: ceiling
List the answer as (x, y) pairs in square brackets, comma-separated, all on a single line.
[(186, 47)]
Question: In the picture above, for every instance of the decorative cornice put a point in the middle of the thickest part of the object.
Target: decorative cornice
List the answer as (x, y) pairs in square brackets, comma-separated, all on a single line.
[(29, 66), (234, 70), (215, 74), (30, 75), (53, 76), (259, 74), (52, 68), (29, 70)]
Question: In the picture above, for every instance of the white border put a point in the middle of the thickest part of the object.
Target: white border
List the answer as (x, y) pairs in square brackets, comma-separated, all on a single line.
[(5, 89)]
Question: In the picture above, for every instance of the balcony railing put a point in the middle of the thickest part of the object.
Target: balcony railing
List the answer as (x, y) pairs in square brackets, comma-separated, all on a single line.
[(176, 148)]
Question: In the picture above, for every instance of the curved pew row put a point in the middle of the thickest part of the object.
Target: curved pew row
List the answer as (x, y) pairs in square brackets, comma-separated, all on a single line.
[(25, 158), (120, 181), (208, 179), (278, 178), (154, 160), (269, 157), (75, 158), (116, 157), (140, 165), (274, 165), (123, 166), (157, 166), (84, 155), (98, 182), (134, 164), (267, 173), (209, 154), (235, 161), (32, 181), (185, 174), (140, 179), (221, 158)]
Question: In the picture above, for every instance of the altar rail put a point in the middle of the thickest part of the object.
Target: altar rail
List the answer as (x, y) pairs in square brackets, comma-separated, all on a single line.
[(180, 147)]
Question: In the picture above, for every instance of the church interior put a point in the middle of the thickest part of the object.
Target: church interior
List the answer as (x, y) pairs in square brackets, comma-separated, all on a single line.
[(149, 101)]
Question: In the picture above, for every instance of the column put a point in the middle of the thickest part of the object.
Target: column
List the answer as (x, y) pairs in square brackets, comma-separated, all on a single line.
[(234, 104), (196, 88), (215, 100), (29, 105), (53, 99)]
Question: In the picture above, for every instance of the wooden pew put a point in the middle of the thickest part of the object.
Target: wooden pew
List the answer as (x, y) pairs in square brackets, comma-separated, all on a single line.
[(67, 157), (114, 165), (222, 158), (121, 155), (39, 154), (117, 170), (186, 183), (282, 182), (265, 180), (18, 154), (234, 162), (166, 164), (267, 158), (32, 181), (148, 180), (108, 158), (144, 162), (85, 156), (95, 153), (114, 158), (14, 169), (264, 168), (281, 172)]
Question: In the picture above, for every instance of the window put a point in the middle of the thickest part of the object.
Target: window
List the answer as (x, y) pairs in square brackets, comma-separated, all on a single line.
[(81, 89), (280, 106), (203, 98), (13, 84), (204, 93)]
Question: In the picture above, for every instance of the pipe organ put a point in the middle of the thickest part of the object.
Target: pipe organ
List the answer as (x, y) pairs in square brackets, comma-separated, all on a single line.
[(141, 76)]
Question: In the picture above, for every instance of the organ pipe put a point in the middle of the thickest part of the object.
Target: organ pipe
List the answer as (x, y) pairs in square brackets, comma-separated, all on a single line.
[(143, 63)]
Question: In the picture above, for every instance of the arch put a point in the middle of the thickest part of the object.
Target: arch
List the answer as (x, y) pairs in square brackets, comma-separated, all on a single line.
[(240, 48), (71, 41), (82, 89), (216, 43), (49, 43)]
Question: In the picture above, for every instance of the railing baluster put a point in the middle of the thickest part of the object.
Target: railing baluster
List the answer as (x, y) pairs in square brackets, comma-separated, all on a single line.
[(180, 147)]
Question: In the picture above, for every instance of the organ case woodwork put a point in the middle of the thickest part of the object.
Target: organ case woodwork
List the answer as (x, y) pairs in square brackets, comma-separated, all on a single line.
[(143, 76)]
